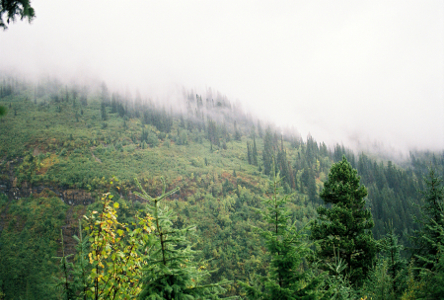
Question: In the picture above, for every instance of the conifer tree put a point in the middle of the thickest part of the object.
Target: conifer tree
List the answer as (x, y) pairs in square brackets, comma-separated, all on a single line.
[(171, 271), (13, 9), (249, 153), (268, 151), (287, 248), (254, 152), (426, 238), (103, 112), (392, 250), (3, 111), (237, 134), (346, 225)]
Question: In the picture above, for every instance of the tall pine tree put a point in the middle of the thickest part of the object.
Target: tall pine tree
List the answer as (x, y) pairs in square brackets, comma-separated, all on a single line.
[(345, 226)]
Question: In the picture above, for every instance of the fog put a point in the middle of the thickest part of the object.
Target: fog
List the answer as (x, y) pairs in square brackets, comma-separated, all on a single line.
[(353, 72)]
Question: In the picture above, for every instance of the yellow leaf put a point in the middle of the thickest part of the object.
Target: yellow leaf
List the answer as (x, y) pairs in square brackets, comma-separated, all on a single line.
[(116, 205)]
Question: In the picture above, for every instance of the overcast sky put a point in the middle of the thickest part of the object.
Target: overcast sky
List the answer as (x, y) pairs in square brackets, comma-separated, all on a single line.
[(342, 70)]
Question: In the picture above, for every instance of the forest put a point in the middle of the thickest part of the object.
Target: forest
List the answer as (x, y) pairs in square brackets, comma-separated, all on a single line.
[(106, 195)]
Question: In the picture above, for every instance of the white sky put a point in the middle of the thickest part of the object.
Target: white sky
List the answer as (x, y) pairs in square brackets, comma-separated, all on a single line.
[(342, 70)]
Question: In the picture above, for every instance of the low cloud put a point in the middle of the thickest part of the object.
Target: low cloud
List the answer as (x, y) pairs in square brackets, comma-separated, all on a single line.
[(347, 72)]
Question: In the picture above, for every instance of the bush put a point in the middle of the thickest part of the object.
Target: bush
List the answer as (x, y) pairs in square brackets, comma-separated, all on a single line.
[(152, 139)]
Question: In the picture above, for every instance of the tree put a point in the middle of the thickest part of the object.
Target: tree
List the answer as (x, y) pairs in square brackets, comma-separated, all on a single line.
[(386, 280), (426, 239), (267, 154), (3, 111), (103, 112), (287, 248), (249, 153), (117, 253), (171, 271), (254, 152), (346, 226), (12, 8)]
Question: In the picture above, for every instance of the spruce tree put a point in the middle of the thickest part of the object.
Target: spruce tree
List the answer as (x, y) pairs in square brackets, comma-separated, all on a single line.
[(103, 112), (171, 271), (268, 152), (249, 153), (3, 111), (345, 226), (254, 152), (426, 239), (287, 248)]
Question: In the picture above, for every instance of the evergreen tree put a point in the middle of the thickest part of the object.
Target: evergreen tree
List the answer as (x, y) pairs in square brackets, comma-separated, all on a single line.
[(426, 239), (249, 153), (260, 132), (392, 250), (268, 151), (237, 134), (254, 152), (346, 225), (171, 271), (14, 8), (3, 111), (103, 112), (287, 248)]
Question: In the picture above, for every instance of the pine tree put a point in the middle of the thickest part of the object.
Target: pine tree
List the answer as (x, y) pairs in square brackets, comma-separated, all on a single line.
[(346, 226), (287, 248), (237, 134), (392, 251), (249, 153), (260, 132), (171, 271), (268, 151), (3, 111), (103, 112), (426, 239), (254, 152)]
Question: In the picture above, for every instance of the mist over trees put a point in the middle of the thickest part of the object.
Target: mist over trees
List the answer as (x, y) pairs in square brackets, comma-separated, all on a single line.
[(260, 212)]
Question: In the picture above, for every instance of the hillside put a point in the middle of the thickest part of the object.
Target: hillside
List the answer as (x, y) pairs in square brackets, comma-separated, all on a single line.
[(62, 145)]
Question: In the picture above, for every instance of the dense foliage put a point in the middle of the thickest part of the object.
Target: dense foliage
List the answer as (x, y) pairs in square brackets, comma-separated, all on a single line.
[(67, 142)]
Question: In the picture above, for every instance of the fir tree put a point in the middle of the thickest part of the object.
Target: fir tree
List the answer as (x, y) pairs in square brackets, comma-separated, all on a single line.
[(346, 225), (268, 151), (103, 112), (426, 239), (249, 153), (392, 250), (254, 152), (287, 248), (171, 271), (3, 111)]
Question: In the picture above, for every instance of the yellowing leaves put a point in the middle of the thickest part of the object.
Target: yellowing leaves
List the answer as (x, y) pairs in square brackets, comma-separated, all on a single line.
[(117, 260)]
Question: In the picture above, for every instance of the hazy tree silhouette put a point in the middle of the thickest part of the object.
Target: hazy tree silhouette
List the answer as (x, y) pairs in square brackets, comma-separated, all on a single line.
[(13, 8)]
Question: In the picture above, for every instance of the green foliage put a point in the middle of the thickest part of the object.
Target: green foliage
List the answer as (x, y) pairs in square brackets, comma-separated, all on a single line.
[(50, 144), (3, 111), (267, 154), (28, 241), (171, 271), (116, 253), (287, 248), (426, 239), (345, 226), (14, 8)]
